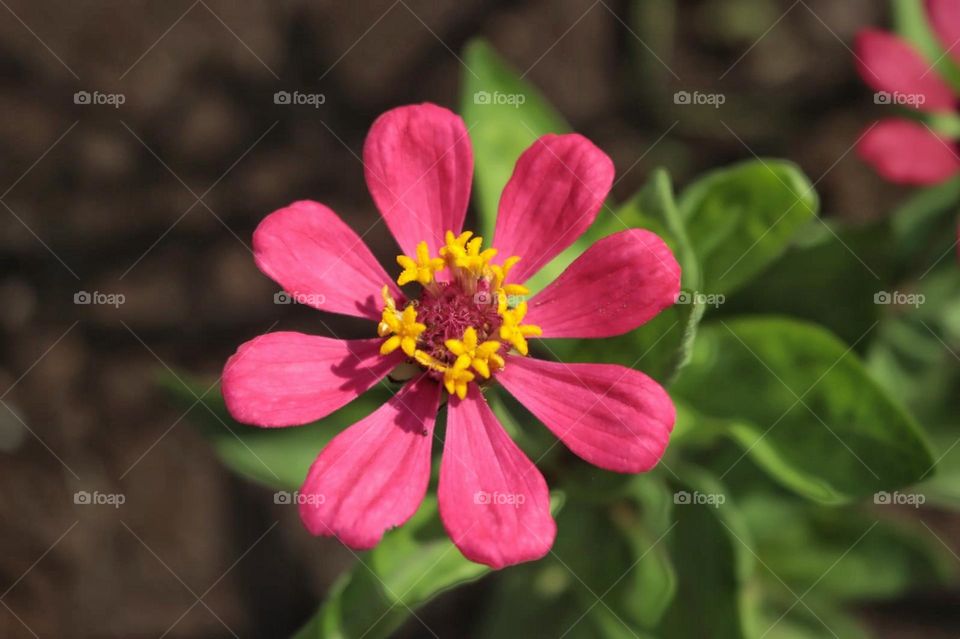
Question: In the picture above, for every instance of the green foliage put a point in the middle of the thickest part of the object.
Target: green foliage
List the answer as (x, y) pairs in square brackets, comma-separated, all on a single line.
[(803, 406), (710, 553), (741, 218), (842, 554), (410, 566)]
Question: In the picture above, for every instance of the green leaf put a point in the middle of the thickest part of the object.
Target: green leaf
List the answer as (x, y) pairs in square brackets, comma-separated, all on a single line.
[(412, 564), (275, 457), (803, 406), (793, 285), (842, 554), (712, 564), (740, 219), (504, 115)]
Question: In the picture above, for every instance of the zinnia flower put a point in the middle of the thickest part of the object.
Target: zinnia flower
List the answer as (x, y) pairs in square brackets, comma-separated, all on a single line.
[(464, 330), (903, 150)]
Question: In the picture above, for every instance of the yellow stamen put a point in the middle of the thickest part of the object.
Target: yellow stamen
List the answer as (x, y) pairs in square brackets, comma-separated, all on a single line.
[(388, 298), (454, 246), (478, 356), (512, 330), (419, 270), (456, 378), (500, 273), (403, 328)]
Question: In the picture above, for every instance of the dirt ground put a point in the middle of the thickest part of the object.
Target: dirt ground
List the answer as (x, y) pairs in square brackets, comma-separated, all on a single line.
[(155, 199)]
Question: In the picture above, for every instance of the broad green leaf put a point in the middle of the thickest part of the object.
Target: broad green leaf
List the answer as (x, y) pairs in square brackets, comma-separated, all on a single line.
[(504, 114), (793, 285), (842, 554), (803, 406), (275, 457), (712, 563), (740, 219), (412, 564), (662, 346)]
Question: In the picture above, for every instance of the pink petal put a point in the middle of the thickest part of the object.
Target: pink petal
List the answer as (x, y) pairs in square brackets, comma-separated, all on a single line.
[(493, 501), (287, 379), (309, 251), (944, 17), (616, 285), (613, 417), (907, 152), (888, 63), (419, 167), (553, 196), (373, 476)]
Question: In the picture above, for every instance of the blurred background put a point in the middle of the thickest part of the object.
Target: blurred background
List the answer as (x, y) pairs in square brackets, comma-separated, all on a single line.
[(141, 143)]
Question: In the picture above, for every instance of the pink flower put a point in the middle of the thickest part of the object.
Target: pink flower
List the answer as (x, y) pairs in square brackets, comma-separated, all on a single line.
[(465, 330), (903, 150)]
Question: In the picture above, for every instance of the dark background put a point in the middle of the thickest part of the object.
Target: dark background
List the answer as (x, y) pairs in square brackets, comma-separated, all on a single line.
[(157, 199)]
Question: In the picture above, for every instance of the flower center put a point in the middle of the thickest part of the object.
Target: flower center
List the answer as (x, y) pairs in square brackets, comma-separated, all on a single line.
[(466, 317)]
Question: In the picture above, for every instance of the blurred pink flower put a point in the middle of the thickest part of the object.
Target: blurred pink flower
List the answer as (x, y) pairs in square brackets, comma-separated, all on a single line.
[(465, 331), (902, 150)]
